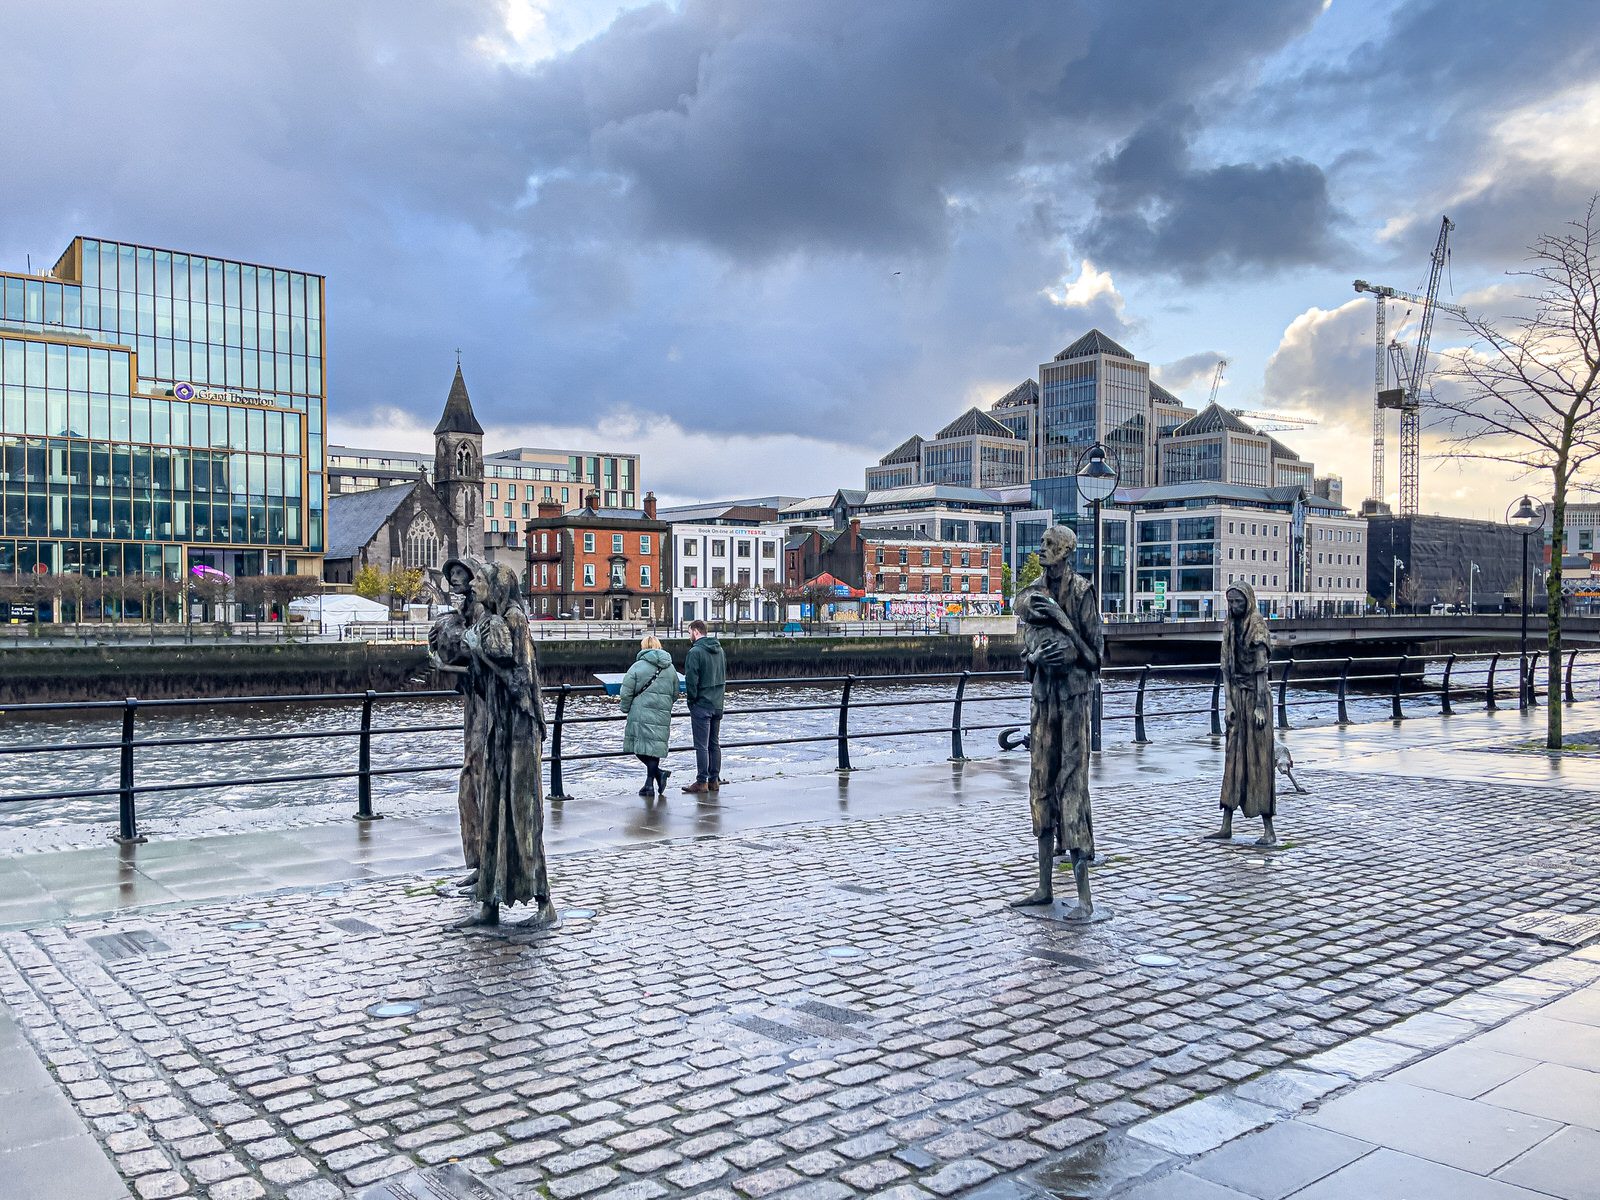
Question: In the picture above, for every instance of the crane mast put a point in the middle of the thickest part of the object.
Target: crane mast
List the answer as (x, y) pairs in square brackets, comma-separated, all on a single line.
[(1406, 397)]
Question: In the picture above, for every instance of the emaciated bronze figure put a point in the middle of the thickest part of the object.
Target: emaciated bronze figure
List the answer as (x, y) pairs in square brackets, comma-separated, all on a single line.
[(503, 749), (1062, 646), (445, 646), (1249, 782)]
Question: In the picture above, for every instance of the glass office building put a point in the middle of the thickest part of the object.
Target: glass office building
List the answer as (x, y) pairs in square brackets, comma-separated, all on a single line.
[(160, 411)]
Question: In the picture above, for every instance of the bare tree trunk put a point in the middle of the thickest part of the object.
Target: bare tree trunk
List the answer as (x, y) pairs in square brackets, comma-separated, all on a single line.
[(1552, 604)]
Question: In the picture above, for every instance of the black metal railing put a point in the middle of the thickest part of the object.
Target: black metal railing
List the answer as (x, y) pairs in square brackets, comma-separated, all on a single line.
[(1330, 678)]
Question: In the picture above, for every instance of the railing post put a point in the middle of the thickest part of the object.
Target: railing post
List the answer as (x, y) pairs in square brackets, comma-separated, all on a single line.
[(127, 816), (1492, 704), (844, 724), (1395, 712), (1283, 692), (1096, 717), (1571, 660), (1444, 700), (1216, 704), (957, 753), (557, 787), (364, 763), (1344, 691), (1138, 709), (1533, 680)]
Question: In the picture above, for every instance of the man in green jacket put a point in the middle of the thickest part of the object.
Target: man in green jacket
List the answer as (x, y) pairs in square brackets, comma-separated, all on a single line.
[(705, 674)]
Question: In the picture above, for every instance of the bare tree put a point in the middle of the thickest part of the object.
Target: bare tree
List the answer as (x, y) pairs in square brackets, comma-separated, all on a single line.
[(1410, 592), (730, 596), (1454, 592), (1523, 393)]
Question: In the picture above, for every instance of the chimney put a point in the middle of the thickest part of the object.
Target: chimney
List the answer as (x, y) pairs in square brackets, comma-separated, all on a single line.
[(855, 527), (650, 506), (592, 501), (549, 509)]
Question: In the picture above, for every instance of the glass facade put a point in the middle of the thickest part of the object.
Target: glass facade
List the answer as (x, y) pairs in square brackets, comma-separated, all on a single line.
[(160, 411)]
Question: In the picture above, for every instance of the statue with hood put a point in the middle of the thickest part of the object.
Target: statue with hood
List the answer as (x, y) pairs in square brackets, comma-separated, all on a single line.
[(503, 746), (1249, 782), (446, 651), (1063, 643)]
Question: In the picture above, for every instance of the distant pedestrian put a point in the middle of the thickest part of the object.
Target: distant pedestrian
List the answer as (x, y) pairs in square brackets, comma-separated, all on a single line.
[(649, 690), (705, 673)]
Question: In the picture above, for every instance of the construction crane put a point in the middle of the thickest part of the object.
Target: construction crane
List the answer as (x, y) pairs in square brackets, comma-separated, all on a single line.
[(1216, 379), (1405, 397), (1273, 422)]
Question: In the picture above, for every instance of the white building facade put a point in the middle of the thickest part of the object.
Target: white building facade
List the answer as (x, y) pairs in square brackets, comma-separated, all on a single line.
[(709, 559)]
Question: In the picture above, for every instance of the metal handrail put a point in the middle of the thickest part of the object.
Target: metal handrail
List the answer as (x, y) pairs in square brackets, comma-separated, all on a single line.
[(1396, 669)]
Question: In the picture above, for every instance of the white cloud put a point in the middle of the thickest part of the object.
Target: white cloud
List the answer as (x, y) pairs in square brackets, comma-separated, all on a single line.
[(1090, 289)]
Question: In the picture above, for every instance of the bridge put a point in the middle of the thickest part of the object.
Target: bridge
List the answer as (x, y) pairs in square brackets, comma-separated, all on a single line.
[(1187, 637)]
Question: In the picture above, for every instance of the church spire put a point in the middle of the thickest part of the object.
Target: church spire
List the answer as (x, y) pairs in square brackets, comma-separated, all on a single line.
[(458, 416)]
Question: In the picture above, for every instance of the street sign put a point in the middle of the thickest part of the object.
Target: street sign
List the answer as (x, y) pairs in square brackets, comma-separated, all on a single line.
[(1160, 602)]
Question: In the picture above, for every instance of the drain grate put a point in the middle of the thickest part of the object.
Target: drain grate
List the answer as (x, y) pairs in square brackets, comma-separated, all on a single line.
[(776, 1031), (831, 1012), (130, 943), (354, 925), (1063, 959)]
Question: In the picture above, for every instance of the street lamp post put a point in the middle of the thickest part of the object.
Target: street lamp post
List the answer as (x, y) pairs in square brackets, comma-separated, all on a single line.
[(1097, 479), (1394, 586), (1472, 576), (1529, 519)]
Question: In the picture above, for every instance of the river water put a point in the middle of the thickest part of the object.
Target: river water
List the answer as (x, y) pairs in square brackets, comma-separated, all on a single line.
[(1177, 707)]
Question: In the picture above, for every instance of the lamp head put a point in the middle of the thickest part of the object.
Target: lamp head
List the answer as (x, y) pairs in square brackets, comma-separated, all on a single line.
[(1097, 478), (1526, 515)]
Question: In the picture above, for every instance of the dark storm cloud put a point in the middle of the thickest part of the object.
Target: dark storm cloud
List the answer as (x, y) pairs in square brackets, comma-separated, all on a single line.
[(1158, 211)]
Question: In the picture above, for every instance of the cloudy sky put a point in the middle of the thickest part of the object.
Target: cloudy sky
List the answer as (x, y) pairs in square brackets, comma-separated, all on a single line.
[(761, 242)]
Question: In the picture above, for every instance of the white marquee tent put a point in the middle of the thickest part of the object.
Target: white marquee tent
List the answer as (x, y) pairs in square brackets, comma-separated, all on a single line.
[(336, 610)]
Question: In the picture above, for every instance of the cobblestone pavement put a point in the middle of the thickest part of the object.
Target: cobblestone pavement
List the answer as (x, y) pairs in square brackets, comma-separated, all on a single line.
[(819, 1012)]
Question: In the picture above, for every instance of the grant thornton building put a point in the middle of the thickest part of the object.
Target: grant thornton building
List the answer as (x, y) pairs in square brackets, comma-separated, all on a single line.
[(160, 411)]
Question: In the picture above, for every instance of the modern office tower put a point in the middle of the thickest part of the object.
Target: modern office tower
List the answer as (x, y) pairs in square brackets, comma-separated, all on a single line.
[(901, 467), (160, 411), (1217, 446), (1096, 391), (975, 450)]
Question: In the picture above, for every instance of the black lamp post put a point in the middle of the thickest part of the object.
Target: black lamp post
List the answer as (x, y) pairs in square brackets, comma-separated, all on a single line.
[(1526, 516), (1097, 479)]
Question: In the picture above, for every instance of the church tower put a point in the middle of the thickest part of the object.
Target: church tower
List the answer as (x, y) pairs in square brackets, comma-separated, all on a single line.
[(458, 469)]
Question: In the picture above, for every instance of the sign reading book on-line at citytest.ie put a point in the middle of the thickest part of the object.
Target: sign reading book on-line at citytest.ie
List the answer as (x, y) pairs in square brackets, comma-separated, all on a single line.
[(187, 391)]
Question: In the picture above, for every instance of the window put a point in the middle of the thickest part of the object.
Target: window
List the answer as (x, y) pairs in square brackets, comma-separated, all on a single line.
[(588, 543), (691, 547), (494, 491), (719, 576), (616, 543), (770, 550), (508, 508), (743, 548), (644, 543), (905, 556), (719, 548), (588, 574), (588, 608), (966, 558), (927, 558), (644, 575), (511, 491)]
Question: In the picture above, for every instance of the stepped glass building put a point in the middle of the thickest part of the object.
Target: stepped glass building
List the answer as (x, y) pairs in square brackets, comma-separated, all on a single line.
[(159, 411)]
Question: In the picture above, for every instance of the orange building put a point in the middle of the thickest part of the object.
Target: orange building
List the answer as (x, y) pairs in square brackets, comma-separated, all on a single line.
[(609, 564)]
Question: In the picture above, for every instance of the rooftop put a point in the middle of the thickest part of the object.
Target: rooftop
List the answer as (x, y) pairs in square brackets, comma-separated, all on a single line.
[(1024, 395), (908, 451), (1213, 418), (458, 416), (355, 518), (975, 422), (1091, 343)]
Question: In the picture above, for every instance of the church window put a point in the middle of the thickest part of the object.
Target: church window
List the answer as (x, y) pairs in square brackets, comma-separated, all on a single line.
[(463, 459), (422, 543)]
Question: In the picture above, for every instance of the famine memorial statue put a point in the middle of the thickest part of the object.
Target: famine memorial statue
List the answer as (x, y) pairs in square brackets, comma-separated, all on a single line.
[(487, 642), (1062, 645), (1249, 783)]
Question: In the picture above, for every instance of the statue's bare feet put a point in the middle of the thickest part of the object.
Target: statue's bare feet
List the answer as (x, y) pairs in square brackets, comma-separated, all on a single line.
[(1038, 900), (487, 914), (543, 917), (1267, 839), (470, 879), (1221, 835), (1079, 912)]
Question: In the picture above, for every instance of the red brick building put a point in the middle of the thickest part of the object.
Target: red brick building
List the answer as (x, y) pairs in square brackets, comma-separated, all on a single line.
[(906, 574), (599, 563)]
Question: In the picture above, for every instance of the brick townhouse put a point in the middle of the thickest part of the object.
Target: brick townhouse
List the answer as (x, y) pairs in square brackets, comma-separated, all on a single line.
[(599, 563)]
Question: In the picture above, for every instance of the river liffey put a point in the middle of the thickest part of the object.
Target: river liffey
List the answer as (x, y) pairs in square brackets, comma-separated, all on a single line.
[(1177, 706)]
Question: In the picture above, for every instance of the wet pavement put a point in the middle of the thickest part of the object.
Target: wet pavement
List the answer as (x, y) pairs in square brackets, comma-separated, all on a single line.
[(814, 988)]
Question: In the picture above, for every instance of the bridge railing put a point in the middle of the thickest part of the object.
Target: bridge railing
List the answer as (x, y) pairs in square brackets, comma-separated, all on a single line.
[(1126, 694)]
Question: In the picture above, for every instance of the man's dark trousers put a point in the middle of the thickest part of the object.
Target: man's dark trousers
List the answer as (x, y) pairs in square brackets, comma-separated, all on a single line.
[(707, 727)]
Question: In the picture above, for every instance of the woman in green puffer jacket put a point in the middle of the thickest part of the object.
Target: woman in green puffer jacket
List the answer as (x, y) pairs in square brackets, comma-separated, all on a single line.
[(648, 691)]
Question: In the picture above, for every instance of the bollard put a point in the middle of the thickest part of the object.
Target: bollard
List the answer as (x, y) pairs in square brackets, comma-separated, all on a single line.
[(1571, 696), (844, 724), (1395, 712), (1344, 692), (1139, 737), (1492, 705), (127, 816), (1283, 692), (957, 753), (1533, 680), (1096, 716), (1216, 704), (557, 791), (1444, 700), (364, 763)]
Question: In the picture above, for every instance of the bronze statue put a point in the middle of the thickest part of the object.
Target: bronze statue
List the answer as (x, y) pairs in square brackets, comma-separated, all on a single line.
[(1062, 646), (445, 646), (1249, 783), (503, 750)]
